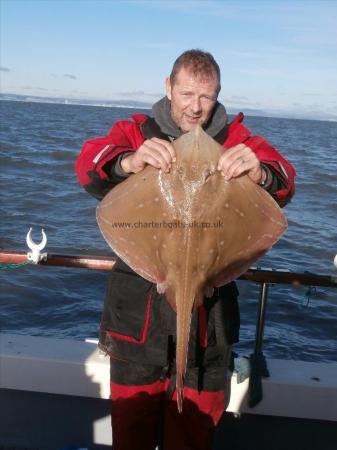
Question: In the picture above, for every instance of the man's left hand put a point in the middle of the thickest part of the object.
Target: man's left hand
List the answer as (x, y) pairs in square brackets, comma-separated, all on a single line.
[(239, 160)]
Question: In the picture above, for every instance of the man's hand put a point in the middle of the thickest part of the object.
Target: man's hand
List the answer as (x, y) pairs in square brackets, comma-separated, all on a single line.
[(155, 152), (238, 160)]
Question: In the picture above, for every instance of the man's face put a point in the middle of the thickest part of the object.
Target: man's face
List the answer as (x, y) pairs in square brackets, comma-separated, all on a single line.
[(192, 99)]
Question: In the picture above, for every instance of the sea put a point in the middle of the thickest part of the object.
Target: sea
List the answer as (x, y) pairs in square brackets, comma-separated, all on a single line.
[(39, 146)]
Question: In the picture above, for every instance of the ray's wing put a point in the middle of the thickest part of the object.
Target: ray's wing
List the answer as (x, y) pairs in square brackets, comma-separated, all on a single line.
[(249, 223), (127, 218)]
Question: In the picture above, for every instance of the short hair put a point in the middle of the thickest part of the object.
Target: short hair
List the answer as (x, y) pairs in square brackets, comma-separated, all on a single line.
[(201, 64)]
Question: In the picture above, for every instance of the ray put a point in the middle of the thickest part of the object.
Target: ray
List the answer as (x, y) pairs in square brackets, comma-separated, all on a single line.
[(189, 230)]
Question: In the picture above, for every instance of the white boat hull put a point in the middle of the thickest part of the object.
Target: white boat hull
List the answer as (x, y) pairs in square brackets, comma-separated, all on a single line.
[(73, 376)]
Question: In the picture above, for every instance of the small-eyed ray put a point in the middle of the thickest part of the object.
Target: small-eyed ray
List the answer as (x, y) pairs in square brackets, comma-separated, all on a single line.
[(189, 230)]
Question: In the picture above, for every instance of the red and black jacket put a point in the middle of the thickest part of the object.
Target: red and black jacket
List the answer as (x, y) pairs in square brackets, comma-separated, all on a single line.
[(137, 323), (93, 166)]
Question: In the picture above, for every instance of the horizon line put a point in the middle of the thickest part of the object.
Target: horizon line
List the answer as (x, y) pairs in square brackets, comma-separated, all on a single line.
[(135, 104)]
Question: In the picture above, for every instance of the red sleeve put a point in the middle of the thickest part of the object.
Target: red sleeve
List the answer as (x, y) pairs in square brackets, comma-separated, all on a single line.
[(124, 136), (283, 168), (268, 155)]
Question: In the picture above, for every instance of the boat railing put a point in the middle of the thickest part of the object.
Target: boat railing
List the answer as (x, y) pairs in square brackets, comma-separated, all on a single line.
[(264, 277), (258, 275)]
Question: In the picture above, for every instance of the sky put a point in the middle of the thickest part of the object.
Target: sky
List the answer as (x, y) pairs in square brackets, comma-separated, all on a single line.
[(279, 57)]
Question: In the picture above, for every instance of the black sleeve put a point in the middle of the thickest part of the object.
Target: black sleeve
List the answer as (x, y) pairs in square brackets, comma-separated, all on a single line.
[(273, 182)]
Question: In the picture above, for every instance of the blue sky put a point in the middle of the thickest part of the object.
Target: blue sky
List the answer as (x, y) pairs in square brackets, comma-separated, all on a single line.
[(276, 56)]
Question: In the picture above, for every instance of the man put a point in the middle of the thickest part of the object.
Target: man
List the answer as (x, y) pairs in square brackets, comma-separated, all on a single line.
[(138, 325)]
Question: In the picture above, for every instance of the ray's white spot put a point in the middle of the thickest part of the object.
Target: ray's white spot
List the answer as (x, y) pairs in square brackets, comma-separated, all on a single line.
[(140, 205), (164, 246), (211, 250), (202, 266), (156, 199), (249, 237), (155, 237), (226, 205), (222, 242), (132, 243), (106, 205)]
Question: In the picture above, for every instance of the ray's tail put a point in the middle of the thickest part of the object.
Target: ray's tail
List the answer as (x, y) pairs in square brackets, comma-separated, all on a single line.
[(183, 334), (185, 305)]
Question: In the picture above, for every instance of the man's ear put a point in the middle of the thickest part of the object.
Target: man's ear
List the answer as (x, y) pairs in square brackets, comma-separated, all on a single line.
[(168, 88)]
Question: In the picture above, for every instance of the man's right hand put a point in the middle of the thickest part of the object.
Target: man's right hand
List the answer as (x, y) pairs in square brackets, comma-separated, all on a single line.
[(155, 152)]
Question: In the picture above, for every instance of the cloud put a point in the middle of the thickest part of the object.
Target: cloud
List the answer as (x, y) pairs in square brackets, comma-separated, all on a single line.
[(238, 97), (4, 69), (315, 106), (72, 77), (131, 94), (27, 87), (240, 100), (310, 94)]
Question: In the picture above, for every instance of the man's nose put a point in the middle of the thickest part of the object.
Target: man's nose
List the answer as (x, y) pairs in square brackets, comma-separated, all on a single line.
[(196, 105)]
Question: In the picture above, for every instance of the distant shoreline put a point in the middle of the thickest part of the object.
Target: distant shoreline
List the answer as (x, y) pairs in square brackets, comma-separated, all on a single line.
[(76, 102), (127, 104)]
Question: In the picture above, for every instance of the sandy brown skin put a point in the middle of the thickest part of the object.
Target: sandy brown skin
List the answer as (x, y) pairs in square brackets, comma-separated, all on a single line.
[(189, 230)]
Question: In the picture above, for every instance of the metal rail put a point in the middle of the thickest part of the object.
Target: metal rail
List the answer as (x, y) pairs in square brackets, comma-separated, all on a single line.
[(107, 263), (79, 261), (264, 277)]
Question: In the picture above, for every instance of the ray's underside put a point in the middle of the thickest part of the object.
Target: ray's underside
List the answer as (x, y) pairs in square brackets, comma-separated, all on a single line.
[(189, 229)]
